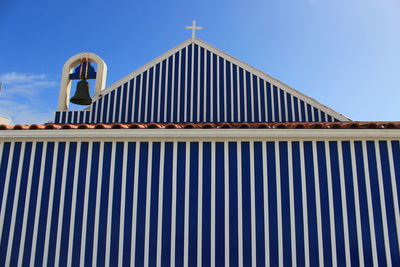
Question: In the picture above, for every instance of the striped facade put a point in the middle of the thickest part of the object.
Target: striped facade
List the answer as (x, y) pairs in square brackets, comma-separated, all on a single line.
[(165, 202), (198, 83)]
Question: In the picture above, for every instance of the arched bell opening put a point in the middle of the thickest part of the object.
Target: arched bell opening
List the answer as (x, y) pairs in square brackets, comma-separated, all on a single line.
[(86, 74)]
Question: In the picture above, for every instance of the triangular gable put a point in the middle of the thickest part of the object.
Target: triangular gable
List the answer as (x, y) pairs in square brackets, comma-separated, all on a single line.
[(196, 82)]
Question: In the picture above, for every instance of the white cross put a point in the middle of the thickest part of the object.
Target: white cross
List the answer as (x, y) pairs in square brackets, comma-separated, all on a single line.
[(193, 28)]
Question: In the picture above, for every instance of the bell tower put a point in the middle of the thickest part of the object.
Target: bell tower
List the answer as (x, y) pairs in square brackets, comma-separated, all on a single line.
[(79, 67)]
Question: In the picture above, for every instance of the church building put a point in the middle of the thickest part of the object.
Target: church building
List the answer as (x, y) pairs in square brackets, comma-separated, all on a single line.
[(197, 159)]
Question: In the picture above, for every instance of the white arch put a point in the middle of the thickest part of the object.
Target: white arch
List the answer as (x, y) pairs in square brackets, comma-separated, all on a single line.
[(65, 88)]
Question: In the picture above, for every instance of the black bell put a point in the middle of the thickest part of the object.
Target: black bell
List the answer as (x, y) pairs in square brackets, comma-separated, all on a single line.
[(82, 96)]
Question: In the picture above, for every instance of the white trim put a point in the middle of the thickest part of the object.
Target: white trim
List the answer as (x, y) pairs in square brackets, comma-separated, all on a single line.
[(148, 205), (173, 203), (160, 203), (266, 203), (202, 134), (186, 206), (305, 205)]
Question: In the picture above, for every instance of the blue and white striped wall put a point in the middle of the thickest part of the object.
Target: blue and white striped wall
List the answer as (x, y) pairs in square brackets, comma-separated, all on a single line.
[(198, 83), (238, 202)]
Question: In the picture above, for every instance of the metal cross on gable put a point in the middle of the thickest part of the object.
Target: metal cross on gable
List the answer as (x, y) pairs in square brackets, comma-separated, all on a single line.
[(193, 28)]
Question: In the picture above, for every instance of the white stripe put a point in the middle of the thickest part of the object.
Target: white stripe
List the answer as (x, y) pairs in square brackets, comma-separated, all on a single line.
[(279, 203), (200, 207), (259, 81), (97, 211), (191, 88), (383, 204), (212, 212), (66, 116), (110, 202), (166, 89), (62, 199), (305, 205), (173, 85), (148, 205), (292, 209), (179, 86), (218, 92), (173, 206), (357, 204), (128, 96), (331, 204), (344, 204), (51, 203), (120, 103), (226, 182), (286, 106), (266, 208), (26, 206), (312, 113), (187, 199), (123, 204), (292, 105), (140, 96), (265, 99), (15, 205), (88, 181), (133, 97), (252, 97), (108, 107), (146, 101), (394, 191), (160, 203), (299, 110), (211, 88), (253, 206), (238, 93), (240, 203), (278, 92), (115, 119), (102, 111), (231, 80), (318, 204), (369, 203), (186, 89), (159, 93), (205, 87), (198, 84), (153, 90), (272, 103), (135, 200), (245, 95), (306, 111), (225, 91), (38, 203)]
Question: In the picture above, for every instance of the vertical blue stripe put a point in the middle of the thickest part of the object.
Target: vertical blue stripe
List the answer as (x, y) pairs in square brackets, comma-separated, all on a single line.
[(116, 203), (351, 212), (298, 204), (168, 92), (296, 109), (99, 110), (65, 220), (233, 205), (118, 104), (193, 202), (272, 207), (219, 205), (269, 101), (309, 112), (101, 250), (56, 202), (241, 94), (94, 165), (289, 107), (316, 111), (283, 107), (285, 200), (246, 204), (150, 91), (206, 214), (376, 203), (362, 194), (236, 104), (202, 87), (111, 113), (63, 116), (276, 107), (155, 108), (187, 88), (180, 204), (130, 170), (207, 101), (141, 203), (144, 90), (94, 107), (57, 117), (215, 85), (259, 203), (3, 168), (323, 193), (263, 104), (255, 99), (167, 200), (311, 203), (337, 200), (154, 205), (248, 98), (124, 102), (221, 88), (303, 110), (105, 108), (136, 99), (163, 91), (130, 100), (80, 196), (229, 96)]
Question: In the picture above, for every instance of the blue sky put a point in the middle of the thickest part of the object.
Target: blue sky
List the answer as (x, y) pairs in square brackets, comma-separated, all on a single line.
[(343, 53)]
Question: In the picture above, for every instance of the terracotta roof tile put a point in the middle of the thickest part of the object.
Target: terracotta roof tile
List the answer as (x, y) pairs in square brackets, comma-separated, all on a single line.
[(236, 125)]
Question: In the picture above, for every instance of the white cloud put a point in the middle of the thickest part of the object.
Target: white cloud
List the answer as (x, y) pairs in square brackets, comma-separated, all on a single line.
[(20, 94)]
